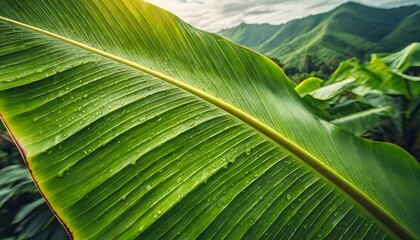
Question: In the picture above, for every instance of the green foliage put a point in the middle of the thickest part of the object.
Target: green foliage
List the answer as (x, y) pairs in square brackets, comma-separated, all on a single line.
[(137, 125), (378, 99), (23, 212), (308, 85)]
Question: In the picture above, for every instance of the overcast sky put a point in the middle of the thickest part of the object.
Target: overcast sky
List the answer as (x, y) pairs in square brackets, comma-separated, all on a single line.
[(214, 15)]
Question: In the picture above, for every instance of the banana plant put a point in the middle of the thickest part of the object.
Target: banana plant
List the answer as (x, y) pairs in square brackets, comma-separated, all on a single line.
[(379, 99), (134, 124), (24, 213)]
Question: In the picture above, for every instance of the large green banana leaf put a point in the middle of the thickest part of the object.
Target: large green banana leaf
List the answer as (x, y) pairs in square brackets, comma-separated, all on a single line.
[(137, 125)]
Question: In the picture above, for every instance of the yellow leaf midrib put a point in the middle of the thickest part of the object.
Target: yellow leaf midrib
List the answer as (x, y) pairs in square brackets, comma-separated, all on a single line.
[(341, 183)]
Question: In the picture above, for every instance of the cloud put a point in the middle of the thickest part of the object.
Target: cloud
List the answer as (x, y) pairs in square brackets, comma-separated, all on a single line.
[(214, 15)]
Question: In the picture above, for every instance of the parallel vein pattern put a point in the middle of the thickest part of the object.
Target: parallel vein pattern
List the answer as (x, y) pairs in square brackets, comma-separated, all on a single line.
[(121, 153)]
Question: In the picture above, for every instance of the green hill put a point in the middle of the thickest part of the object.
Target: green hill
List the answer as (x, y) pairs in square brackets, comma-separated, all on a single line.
[(322, 41)]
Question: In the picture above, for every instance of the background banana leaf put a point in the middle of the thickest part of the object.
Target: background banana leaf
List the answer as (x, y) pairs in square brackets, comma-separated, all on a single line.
[(136, 125), (379, 99)]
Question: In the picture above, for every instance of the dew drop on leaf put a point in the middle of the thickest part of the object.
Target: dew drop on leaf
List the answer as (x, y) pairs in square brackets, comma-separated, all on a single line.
[(61, 173), (288, 197), (248, 151)]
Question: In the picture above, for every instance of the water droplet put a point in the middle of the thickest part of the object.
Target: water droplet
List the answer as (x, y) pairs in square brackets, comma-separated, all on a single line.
[(248, 151), (148, 187), (134, 162), (124, 197), (179, 196), (256, 175), (178, 180), (61, 173), (159, 212), (288, 197)]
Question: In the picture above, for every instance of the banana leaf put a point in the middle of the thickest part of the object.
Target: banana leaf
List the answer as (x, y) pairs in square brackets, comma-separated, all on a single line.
[(361, 122), (308, 85), (134, 124), (405, 59), (389, 73)]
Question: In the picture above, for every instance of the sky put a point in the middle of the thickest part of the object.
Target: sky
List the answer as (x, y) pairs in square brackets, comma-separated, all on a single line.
[(215, 15)]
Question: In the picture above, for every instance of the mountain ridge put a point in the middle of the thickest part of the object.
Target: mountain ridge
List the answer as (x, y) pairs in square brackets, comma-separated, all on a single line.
[(324, 40)]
